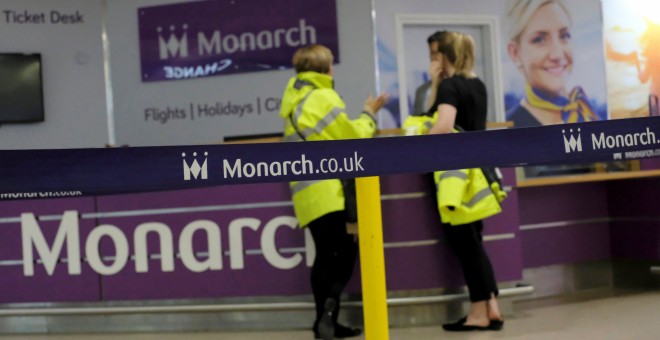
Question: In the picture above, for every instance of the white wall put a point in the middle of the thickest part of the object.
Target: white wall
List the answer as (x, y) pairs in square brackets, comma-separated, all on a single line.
[(73, 79)]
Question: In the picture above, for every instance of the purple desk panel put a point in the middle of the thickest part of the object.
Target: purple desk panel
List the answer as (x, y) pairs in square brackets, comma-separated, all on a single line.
[(60, 287), (222, 206), (564, 223), (416, 254), (635, 213)]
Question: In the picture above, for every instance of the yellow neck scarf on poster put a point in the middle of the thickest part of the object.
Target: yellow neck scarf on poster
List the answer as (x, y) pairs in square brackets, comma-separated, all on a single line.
[(574, 109)]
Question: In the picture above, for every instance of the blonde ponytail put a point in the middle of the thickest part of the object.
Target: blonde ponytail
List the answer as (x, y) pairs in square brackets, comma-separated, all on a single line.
[(465, 54), (459, 50)]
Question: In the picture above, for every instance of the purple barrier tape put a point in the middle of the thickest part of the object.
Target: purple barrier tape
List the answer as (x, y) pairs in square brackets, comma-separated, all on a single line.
[(84, 172)]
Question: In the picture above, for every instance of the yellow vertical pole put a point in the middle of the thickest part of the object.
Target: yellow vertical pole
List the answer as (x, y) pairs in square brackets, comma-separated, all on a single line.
[(372, 258)]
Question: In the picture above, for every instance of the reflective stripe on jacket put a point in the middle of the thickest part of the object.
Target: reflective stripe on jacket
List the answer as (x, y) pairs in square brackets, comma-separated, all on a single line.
[(312, 110), (465, 196), (422, 123)]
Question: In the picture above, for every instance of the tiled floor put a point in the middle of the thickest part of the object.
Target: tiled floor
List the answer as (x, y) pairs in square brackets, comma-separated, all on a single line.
[(626, 316)]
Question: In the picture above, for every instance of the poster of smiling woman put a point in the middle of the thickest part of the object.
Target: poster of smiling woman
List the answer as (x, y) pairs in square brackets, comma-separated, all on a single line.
[(553, 66)]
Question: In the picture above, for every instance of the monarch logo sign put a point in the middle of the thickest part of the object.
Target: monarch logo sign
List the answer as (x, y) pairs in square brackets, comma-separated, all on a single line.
[(604, 141), (208, 38), (194, 169), (572, 144), (174, 46), (79, 250)]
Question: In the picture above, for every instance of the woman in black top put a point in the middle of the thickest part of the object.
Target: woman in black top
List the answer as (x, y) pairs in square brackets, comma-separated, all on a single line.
[(461, 100)]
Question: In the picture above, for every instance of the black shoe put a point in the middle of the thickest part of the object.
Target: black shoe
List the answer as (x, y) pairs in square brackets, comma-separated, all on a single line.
[(326, 327), (342, 332), (460, 326), (496, 325)]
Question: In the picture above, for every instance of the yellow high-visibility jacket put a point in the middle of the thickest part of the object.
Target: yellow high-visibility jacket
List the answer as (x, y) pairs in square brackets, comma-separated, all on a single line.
[(312, 111), (465, 196)]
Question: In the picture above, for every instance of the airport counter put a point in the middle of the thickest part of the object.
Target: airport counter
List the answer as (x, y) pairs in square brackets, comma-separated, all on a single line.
[(232, 241), (592, 230)]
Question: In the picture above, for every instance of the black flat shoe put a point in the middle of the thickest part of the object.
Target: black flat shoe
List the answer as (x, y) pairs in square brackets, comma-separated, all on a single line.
[(460, 326), (342, 332), (496, 325)]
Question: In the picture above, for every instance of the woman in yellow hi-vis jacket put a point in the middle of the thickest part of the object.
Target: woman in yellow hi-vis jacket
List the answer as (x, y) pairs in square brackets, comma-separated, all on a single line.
[(312, 110), (461, 100)]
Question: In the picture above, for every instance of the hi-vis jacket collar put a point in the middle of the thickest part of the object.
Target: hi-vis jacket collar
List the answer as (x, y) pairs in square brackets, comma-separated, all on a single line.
[(320, 80)]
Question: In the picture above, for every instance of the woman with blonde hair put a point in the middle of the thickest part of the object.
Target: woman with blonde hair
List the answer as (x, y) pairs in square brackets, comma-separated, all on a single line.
[(461, 103), (540, 46)]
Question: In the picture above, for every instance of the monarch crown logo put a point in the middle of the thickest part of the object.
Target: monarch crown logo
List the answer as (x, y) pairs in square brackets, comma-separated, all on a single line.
[(195, 170), (174, 46), (572, 144)]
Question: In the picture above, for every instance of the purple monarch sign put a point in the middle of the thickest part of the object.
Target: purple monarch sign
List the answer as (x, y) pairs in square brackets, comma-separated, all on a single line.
[(211, 38)]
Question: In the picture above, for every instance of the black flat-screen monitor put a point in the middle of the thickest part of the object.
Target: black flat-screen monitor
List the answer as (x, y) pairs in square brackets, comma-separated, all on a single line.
[(21, 90)]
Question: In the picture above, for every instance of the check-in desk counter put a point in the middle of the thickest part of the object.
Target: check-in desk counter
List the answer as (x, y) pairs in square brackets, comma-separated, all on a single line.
[(596, 230), (151, 249)]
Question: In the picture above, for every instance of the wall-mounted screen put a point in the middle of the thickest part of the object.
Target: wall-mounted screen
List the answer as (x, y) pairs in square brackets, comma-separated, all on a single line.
[(21, 91)]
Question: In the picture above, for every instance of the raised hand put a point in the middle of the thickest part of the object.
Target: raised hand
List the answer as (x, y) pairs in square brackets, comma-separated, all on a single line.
[(373, 104)]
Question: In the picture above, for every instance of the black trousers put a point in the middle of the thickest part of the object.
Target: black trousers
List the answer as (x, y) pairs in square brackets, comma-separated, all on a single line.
[(467, 243), (336, 252)]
